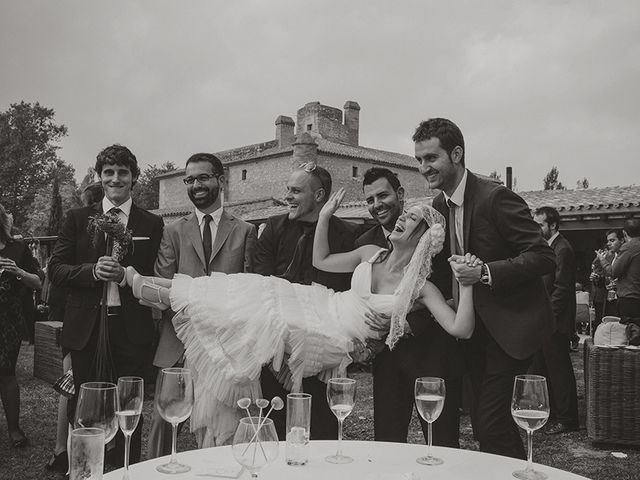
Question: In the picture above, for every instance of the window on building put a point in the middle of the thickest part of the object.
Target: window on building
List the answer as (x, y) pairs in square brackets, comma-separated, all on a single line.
[(244, 174), (354, 172), (309, 125)]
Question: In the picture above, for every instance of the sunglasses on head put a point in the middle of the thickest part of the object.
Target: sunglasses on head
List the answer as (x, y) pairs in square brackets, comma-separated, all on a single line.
[(308, 166)]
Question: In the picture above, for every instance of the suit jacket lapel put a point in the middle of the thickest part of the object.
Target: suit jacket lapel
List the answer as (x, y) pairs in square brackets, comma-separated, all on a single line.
[(192, 232), (469, 195), (224, 229)]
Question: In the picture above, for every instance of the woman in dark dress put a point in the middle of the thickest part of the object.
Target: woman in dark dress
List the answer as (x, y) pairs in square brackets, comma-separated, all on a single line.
[(18, 270)]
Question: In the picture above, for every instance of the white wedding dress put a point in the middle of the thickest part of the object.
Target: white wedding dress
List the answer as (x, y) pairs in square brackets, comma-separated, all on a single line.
[(232, 325)]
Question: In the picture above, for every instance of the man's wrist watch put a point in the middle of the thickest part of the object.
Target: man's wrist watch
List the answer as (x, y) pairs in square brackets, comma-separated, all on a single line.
[(484, 274)]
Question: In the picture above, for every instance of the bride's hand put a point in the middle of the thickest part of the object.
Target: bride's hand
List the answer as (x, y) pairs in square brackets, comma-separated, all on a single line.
[(332, 204)]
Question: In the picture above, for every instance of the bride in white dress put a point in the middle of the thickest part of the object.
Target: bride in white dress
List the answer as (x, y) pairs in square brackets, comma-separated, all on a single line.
[(232, 325)]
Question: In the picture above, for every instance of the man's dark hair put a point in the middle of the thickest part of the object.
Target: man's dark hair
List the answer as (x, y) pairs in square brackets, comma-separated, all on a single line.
[(117, 155), (551, 215), (632, 227), (617, 232), (376, 173), (445, 130), (210, 158), (92, 194)]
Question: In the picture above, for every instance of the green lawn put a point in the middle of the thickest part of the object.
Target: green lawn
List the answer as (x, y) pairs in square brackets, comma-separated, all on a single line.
[(573, 452)]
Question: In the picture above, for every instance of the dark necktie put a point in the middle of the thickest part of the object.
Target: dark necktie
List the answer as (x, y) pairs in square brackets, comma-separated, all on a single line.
[(115, 211), (455, 249), (296, 270), (206, 240)]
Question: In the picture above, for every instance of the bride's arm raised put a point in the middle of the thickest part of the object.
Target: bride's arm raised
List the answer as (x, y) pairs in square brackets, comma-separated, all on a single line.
[(323, 259)]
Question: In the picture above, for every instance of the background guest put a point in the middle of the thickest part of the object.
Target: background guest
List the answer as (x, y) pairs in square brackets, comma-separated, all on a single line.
[(626, 270)]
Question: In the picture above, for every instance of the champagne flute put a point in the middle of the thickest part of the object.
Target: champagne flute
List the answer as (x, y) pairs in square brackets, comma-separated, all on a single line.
[(255, 450), (97, 408), (341, 395), (429, 394), (174, 401), (530, 410), (130, 399)]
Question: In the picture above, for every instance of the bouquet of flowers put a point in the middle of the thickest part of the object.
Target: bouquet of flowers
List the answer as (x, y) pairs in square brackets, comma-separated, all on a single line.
[(118, 240)]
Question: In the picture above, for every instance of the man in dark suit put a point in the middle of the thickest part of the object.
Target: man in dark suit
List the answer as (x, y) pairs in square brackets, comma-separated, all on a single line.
[(428, 351), (513, 314), (82, 267), (285, 249), (553, 359)]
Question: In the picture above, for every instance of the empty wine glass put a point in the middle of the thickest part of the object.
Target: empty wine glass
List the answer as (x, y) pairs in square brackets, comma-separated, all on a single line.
[(130, 399), (255, 445), (97, 408), (429, 394), (530, 410), (341, 395), (174, 401)]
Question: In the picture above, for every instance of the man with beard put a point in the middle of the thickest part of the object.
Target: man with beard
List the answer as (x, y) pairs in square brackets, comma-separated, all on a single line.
[(208, 240), (427, 352), (285, 249)]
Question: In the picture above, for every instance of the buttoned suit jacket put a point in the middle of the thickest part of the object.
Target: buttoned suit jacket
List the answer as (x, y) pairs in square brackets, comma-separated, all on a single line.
[(181, 251), (561, 286), (499, 229), (71, 266)]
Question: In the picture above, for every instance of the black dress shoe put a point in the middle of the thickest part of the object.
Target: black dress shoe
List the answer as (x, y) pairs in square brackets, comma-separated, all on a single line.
[(58, 463), (561, 428)]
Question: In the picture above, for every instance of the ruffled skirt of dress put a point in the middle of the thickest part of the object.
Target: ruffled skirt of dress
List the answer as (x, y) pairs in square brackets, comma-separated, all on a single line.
[(232, 325)]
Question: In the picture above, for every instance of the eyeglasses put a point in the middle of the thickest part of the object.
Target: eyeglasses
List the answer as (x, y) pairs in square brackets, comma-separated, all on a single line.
[(202, 178), (308, 166)]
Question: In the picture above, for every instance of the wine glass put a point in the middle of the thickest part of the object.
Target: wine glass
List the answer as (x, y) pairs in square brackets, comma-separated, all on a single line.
[(97, 408), (530, 410), (255, 444), (174, 401), (429, 394), (130, 399), (341, 395)]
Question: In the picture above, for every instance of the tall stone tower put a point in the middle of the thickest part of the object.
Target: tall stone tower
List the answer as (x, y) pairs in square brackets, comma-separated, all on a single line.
[(326, 122)]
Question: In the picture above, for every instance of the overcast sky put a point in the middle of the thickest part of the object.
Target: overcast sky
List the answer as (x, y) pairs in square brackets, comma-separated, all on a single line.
[(531, 84)]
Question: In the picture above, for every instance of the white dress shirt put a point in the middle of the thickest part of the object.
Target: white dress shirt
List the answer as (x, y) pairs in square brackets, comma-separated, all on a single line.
[(113, 294), (213, 225), (458, 199)]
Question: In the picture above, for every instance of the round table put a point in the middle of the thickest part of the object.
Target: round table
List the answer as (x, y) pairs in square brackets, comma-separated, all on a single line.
[(372, 461)]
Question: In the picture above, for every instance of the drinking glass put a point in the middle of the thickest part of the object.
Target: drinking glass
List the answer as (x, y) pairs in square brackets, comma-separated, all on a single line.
[(130, 399), (429, 394), (530, 410), (255, 444), (341, 395), (174, 401), (87, 454), (298, 428), (97, 408)]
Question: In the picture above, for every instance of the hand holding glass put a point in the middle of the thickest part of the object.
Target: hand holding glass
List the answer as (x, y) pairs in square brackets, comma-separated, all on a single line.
[(530, 410), (430, 393), (255, 450), (341, 395), (130, 399), (174, 401)]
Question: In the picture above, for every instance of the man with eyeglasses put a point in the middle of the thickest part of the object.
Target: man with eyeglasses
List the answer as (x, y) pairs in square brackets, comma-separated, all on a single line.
[(285, 249), (208, 240)]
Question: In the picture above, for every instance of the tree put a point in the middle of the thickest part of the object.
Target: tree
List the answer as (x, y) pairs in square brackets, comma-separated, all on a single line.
[(584, 183), (28, 152), (146, 193), (495, 175), (550, 181)]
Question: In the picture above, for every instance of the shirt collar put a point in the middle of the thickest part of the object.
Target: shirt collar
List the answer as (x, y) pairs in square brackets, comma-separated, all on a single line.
[(125, 207), (458, 195), (215, 216), (553, 237)]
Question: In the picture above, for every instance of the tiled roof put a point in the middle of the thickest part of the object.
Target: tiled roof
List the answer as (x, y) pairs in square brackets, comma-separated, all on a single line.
[(366, 153)]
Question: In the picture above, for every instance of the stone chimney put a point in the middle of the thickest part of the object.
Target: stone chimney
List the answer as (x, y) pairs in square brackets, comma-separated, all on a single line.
[(285, 135), (305, 149), (352, 121)]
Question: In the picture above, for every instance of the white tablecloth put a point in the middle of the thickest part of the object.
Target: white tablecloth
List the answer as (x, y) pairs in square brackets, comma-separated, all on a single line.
[(372, 461)]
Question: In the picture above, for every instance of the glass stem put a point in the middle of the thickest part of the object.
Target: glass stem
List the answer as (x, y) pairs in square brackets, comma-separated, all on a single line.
[(127, 443), (174, 439), (429, 439), (529, 450), (339, 452)]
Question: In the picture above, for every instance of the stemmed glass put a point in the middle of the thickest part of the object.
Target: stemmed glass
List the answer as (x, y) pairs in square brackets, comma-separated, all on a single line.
[(130, 399), (341, 395), (530, 410), (429, 394), (174, 401), (255, 444), (97, 408)]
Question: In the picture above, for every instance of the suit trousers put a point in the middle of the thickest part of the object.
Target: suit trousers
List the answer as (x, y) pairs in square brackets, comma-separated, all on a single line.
[(394, 377), (553, 361), (492, 376), (324, 425), (129, 359)]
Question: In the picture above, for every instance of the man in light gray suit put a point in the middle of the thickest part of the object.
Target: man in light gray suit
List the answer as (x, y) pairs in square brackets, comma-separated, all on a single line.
[(208, 240)]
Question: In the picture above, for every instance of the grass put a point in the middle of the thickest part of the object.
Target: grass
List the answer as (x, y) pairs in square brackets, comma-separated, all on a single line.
[(571, 452)]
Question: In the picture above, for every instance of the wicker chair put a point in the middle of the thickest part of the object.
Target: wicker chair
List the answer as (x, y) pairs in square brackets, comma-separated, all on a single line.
[(612, 386)]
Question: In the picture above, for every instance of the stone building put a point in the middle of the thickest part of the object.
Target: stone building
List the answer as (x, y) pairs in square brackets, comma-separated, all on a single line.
[(256, 174)]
